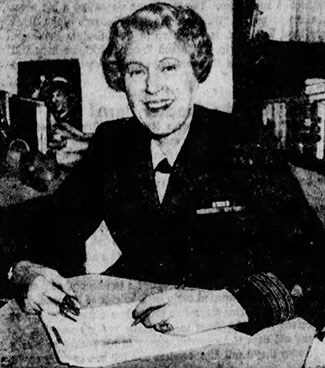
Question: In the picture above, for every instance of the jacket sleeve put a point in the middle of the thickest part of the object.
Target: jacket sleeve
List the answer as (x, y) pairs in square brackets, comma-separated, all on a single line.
[(52, 230), (289, 277)]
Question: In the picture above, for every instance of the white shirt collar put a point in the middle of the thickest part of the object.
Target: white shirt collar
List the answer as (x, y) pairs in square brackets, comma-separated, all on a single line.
[(172, 150), (171, 154), (157, 154)]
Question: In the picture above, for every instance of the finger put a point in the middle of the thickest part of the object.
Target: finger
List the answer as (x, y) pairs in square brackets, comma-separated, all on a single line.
[(36, 294), (150, 301), (49, 307), (37, 288), (31, 307), (44, 296), (184, 324), (59, 281), (157, 317), (53, 293)]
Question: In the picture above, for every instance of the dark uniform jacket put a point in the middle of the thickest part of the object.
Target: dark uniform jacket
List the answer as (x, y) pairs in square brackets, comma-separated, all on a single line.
[(233, 217)]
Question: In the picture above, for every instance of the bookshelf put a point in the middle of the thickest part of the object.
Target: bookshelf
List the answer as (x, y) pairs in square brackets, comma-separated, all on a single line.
[(280, 87), (298, 123), (25, 119)]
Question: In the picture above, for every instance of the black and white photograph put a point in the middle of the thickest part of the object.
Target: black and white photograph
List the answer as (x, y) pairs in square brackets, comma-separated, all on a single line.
[(162, 183)]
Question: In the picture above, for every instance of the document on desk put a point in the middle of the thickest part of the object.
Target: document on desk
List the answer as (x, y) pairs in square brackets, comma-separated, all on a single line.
[(104, 335)]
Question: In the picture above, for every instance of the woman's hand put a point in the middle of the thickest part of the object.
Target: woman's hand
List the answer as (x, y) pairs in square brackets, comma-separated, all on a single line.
[(190, 311), (43, 288)]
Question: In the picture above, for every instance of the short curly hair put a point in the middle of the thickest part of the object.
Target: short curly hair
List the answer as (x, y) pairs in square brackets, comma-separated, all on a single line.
[(188, 27)]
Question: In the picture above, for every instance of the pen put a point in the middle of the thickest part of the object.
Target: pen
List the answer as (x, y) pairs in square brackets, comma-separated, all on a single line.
[(146, 313), (57, 336)]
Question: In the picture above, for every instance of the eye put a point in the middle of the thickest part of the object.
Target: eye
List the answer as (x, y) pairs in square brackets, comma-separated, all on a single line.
[(169, 68), (135, 71)]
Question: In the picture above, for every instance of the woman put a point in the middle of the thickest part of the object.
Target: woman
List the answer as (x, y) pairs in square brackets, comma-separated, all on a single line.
[(187, 196), (66, 138)]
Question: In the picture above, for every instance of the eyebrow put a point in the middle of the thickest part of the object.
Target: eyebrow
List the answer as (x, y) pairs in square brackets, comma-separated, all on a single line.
[(169, 58), (138, 63)]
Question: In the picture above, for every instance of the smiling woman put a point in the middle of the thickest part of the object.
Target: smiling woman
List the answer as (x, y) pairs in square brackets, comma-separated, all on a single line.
[(160, 85), (184, 23), (158, 56), (189, 196)]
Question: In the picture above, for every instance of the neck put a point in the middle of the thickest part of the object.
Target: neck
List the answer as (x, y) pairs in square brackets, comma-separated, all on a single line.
[(176, 138)]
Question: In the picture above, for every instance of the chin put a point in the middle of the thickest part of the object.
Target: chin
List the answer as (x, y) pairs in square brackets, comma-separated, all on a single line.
[(161, 124), (160, 134), (163, 130)]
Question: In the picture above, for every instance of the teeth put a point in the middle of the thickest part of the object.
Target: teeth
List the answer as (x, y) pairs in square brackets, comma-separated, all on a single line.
[(157, 105)]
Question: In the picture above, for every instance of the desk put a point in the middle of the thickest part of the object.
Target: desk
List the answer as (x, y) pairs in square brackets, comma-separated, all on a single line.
[(24, 342)]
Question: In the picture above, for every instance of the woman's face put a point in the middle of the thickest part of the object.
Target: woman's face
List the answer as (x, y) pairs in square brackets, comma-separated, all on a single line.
[(59, 101), (159, 81)]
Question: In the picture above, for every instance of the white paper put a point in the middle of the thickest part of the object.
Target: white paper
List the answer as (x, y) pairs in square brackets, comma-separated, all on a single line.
[(104, 336)]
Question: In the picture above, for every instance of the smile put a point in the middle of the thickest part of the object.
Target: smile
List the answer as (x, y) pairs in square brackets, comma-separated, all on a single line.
[(158, 105)]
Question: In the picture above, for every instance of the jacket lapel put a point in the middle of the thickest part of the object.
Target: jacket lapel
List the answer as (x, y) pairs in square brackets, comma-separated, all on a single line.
[(204, 157), (187, 167), (143, 170)]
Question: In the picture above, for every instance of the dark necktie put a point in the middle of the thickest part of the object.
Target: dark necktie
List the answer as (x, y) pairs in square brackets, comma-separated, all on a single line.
[(164, 167)]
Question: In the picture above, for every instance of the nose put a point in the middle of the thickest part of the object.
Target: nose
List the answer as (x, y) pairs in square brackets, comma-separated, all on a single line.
[(153, 84)]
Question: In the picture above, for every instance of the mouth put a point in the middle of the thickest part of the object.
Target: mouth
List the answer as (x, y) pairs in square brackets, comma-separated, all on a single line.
[(155, 106)]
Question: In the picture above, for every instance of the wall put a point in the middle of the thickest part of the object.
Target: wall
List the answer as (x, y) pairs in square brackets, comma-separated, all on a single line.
[(292, 20), (58, 29)]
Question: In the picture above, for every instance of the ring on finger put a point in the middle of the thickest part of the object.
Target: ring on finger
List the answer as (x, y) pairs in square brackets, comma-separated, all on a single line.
[(164, 327)]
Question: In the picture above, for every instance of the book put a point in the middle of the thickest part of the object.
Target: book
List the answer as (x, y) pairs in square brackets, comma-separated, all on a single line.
[(320, 145), (315, 89), (28, 122), (280, 129), (275, 114), (316, 97), (312, 81)]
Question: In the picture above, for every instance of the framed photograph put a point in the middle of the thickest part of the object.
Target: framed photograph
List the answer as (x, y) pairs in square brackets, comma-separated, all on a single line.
[(57, 83)]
